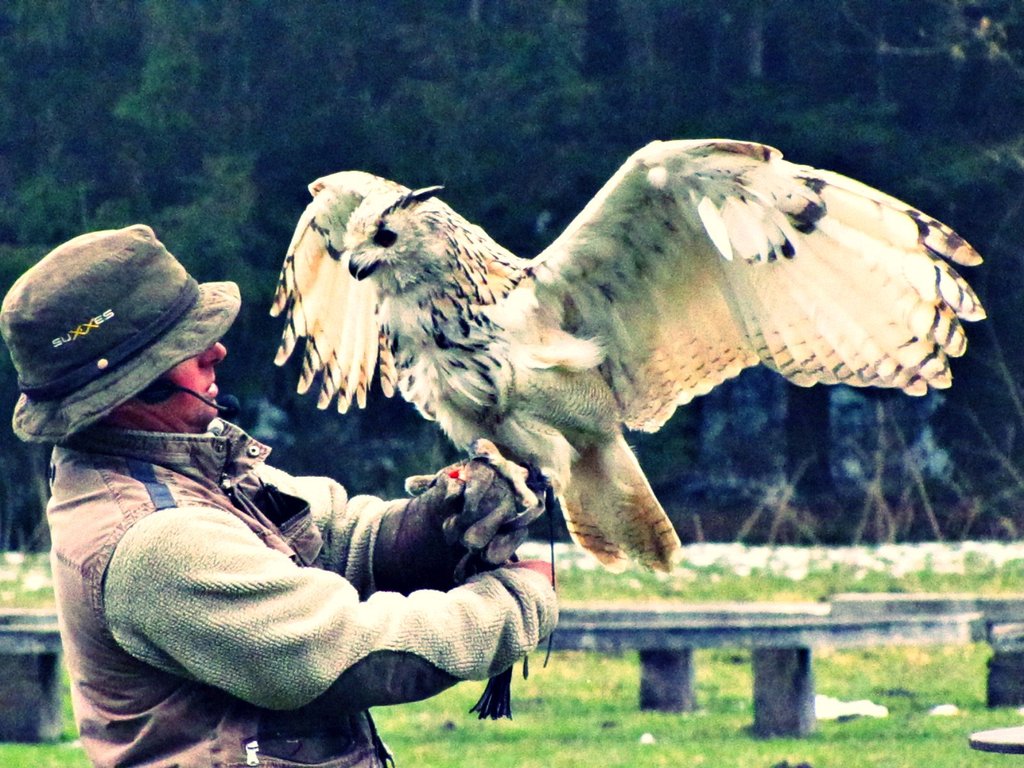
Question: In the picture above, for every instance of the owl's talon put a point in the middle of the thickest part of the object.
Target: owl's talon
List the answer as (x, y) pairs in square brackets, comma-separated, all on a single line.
[(517, 475)]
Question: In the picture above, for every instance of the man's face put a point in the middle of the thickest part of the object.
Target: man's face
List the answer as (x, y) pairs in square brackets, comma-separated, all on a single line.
[(183, 412)]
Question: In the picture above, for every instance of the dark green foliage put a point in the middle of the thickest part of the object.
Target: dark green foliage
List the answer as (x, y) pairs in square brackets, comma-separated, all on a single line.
[(207, 120)]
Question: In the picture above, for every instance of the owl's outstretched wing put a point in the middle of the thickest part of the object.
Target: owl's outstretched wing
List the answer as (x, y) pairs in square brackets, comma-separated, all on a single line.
[(701, 258), (323, 304)]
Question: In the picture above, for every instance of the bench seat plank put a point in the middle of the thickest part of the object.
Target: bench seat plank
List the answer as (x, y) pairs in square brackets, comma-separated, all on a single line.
[(578, 630)]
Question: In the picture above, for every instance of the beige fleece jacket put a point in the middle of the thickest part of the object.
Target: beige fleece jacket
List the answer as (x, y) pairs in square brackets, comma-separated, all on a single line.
[(193, 591)]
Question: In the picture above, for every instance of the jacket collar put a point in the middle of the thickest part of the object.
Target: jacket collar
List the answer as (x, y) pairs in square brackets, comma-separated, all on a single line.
[(224, 449)]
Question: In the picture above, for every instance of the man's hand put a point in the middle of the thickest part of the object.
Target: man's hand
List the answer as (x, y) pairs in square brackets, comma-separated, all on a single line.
[(499, 500), (467, 518), (543, 567)]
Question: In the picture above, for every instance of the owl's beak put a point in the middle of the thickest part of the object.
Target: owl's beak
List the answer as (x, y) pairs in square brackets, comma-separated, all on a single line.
[(360, 269)]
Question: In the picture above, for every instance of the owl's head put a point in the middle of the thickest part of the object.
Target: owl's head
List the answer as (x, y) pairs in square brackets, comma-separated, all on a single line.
[(398, 237)]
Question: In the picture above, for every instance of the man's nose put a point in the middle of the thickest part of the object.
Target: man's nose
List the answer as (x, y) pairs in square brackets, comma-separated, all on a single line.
[(214, 353)]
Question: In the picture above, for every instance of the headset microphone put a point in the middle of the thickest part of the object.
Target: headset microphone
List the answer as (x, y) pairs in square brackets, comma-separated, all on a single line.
[(229, 406)]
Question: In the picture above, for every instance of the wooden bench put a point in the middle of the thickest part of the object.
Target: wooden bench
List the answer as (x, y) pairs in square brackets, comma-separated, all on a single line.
[(1003, 621), (781, 638), (30, 669)]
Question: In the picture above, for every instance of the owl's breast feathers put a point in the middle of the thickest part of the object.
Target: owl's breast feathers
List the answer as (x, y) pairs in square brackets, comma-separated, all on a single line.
[(452, 349)]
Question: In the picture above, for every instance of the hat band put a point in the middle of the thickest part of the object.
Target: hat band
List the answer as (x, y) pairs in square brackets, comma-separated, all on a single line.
[(84, 374)]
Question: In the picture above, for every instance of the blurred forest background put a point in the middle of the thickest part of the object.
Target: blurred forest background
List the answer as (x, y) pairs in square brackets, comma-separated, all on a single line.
[(208, 119)]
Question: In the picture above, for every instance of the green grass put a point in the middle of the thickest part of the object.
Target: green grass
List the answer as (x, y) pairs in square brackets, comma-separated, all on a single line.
[(25, 581), (718, 582), (582, 708)]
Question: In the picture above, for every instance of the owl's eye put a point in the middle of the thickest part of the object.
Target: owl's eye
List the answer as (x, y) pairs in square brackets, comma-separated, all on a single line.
[(384, 237)]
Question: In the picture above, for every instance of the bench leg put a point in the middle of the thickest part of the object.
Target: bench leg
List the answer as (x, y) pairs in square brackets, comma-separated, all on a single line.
[(666, 681), (30, 697), (1006, 679), (30, 701), (783, 692)]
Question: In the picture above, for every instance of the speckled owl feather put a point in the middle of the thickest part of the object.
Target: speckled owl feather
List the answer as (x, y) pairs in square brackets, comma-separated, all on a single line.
[(696, 260)]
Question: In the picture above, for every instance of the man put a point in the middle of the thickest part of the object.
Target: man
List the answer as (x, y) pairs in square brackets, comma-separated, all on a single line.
[(216, 611)]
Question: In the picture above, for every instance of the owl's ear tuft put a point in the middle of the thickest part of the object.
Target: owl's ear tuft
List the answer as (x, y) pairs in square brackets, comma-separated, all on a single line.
[(410, 199), (419, 195)]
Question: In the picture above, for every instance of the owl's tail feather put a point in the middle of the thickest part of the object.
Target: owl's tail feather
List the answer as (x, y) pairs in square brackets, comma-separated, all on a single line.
[(612, 512)]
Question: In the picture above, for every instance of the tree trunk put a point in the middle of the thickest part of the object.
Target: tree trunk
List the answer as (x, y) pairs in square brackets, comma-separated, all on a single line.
[(807, 440), (755, 41)]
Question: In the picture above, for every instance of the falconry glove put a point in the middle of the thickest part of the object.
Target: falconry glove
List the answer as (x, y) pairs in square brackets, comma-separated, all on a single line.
[(469, 517)]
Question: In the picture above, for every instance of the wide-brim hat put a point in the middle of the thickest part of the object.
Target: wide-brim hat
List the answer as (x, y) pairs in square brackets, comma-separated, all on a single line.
[(99, 319)]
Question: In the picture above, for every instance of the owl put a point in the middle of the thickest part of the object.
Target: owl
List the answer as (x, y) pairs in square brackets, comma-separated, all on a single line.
[(696, 260)]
